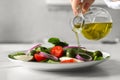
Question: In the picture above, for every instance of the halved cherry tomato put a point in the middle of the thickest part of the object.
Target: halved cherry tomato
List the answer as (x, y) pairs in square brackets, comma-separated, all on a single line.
[(68, 61), (57, 51), (39, 57)]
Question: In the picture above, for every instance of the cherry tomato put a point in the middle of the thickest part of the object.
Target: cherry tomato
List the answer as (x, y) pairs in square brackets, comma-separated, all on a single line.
[(68, 61), (39, 57), (57, 51)]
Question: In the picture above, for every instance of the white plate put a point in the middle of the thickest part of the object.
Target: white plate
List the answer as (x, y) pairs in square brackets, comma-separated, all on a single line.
[(58, 66)]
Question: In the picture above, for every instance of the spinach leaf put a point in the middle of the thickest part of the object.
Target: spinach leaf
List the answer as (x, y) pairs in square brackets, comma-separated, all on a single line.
[(54, 40), (44, 49), (57, 42), (63, 44)]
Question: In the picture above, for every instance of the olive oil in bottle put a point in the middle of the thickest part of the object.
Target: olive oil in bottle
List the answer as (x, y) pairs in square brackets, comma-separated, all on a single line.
[(92, 31), (96, 31)]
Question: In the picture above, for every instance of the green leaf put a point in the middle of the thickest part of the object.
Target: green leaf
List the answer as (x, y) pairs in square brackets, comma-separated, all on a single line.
[(80, 50), (32, 52), (72, 52), (98, 54), (63, 44), (53, 40), (44, 49), (97, 58), (85, 56), (100, 58), (57, 42), (52, 61)]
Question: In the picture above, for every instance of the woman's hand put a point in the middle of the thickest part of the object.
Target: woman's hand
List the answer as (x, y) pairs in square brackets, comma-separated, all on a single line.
[(79, 5)]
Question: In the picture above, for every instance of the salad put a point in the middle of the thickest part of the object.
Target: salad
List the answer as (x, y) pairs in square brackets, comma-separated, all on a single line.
[(58, 52)]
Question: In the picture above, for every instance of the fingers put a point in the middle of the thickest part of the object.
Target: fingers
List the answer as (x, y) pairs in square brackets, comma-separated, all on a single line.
[(86, 5), (83, 6), (75, 4)]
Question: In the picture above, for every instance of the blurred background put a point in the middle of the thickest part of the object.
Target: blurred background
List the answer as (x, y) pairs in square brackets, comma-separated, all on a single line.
[(27, 21)]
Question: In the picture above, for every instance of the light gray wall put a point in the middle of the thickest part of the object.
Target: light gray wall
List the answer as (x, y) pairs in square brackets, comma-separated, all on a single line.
[(31, 20)]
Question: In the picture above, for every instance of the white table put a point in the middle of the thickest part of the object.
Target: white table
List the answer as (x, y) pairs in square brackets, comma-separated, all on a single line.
[(108, 70)]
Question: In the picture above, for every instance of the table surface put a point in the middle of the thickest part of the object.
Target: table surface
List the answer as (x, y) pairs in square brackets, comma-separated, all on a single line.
[(104, 71)]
